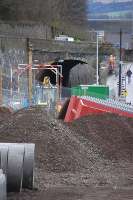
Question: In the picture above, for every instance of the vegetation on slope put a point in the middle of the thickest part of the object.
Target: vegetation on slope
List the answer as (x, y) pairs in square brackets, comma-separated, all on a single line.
[(65, 16), (48, 11)]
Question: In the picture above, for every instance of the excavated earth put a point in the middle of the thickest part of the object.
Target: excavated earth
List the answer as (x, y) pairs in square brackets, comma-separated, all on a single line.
[(88, 159)]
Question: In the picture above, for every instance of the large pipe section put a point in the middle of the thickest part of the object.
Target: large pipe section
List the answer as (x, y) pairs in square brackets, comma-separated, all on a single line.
[(28, 166), (3, 192), (17, 162), (15, 168)]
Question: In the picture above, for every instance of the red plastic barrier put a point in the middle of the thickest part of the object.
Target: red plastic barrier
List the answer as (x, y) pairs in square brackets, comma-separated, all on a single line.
[(71, 110), (83, 110), (79, 107), (107, 108)]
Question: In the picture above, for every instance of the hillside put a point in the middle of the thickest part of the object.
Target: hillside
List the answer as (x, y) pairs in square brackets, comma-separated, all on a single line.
[(51, 12)]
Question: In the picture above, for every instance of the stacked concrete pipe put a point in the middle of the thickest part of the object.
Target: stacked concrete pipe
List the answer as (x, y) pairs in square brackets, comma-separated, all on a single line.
[(3, 193), (17, 163)]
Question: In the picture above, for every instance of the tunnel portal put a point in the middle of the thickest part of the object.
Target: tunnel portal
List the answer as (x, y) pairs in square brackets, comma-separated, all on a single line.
[(75, 72)]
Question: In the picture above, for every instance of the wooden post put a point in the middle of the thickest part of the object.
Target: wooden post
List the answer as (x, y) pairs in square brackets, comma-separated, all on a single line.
[(1, 99), (120, 64), (11, 84), (29, 47)]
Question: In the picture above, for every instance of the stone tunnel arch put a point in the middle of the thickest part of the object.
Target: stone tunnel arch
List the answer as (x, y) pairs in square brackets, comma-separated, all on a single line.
[(75, 72)]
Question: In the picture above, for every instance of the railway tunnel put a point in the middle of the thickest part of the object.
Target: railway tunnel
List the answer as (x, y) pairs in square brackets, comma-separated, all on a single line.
[(75, 72)]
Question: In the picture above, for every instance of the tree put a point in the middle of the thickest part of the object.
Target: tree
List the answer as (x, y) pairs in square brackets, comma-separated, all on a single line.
[(45, 11), (66, 16), (6, 10)]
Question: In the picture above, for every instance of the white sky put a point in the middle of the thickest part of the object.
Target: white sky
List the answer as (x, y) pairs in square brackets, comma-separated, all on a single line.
[(109, 1)]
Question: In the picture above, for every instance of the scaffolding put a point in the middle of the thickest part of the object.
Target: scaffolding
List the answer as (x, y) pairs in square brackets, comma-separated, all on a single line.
[(39, 93)]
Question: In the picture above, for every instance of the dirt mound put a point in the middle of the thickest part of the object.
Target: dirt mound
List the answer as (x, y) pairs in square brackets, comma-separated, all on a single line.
[(56, 146), (5, 110), (112, 134), (5, 113), (93, 150)]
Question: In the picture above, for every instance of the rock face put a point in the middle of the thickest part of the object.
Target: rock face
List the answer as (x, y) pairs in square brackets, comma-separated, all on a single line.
[(81, 74)]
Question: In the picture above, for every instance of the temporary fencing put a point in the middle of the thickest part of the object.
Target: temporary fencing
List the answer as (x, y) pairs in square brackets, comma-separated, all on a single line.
[(49, 97)]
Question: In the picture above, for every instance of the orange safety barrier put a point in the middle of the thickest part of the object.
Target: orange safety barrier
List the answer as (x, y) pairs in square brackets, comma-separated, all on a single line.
[(79, 107)]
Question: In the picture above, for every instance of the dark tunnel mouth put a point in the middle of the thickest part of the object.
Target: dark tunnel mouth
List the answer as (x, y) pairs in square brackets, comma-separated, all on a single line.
[(67, 65)]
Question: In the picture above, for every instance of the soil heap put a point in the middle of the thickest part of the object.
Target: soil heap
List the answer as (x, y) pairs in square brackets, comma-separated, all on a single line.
[(92, 151)]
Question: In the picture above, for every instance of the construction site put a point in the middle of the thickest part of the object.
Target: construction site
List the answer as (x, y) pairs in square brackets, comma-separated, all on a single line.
[(63, 135), (66, 106)]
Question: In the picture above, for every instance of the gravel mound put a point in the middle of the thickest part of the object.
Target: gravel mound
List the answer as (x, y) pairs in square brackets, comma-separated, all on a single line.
[(112, 134), (56, 145), (5, 112), (94, 150)]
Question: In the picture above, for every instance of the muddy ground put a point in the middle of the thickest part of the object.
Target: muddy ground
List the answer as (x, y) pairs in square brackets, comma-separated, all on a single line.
[(91, 158)]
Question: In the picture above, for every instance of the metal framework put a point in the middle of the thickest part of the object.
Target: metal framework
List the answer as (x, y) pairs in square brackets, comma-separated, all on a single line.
[(56, 69)]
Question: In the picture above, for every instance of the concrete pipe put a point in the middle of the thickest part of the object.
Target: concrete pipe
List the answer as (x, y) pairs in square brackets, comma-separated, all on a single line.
[(17, 162), (3, 157), (3, 192), (28, 167), (15, 168)]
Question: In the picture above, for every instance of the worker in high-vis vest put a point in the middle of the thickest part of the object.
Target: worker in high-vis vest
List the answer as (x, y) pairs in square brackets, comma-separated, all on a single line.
[(47, 91), (46, 81), (112, 61)]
